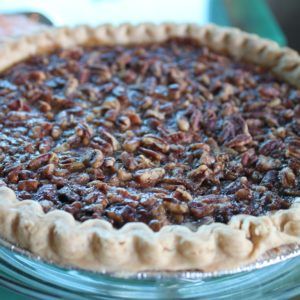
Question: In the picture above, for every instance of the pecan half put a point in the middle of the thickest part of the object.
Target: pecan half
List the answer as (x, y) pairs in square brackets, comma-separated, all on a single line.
[(287, 177), (148, 177)]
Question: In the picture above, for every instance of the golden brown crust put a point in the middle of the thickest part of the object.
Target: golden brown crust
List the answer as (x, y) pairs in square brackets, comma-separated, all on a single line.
[(95, 244)]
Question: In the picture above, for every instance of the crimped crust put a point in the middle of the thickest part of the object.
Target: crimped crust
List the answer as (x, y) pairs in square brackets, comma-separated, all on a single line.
[(95, 244)]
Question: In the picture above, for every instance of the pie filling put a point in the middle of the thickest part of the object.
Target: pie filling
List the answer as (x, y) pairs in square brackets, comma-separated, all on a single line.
[(168, 133)]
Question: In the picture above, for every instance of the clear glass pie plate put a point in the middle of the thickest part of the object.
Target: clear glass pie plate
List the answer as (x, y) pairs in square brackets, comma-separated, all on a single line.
[(277, 274)]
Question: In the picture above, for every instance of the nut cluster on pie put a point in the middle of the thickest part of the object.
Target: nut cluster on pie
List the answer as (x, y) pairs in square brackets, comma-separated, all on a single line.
[(166, 133)]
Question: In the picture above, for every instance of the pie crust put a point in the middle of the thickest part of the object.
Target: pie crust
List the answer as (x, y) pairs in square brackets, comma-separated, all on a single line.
[(95, 244)]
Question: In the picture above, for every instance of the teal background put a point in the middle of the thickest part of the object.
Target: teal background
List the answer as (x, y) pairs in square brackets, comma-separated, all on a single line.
[(7, 294)]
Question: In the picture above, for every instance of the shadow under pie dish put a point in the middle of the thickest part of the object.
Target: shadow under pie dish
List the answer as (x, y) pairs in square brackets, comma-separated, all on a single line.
[(149, 147)]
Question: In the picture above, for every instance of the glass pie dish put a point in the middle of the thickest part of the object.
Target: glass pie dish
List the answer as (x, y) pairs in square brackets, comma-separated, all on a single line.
[(276, 274), (31, 276), (55, 237)]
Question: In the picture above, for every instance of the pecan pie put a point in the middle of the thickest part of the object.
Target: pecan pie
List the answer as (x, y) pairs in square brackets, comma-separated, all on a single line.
[(149, 148)]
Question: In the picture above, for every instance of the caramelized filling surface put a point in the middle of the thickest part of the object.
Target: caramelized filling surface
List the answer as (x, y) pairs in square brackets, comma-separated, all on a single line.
[(168, 133)]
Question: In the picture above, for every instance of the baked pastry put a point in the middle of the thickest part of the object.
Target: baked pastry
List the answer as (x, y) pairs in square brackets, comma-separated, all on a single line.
[(168, 147)]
